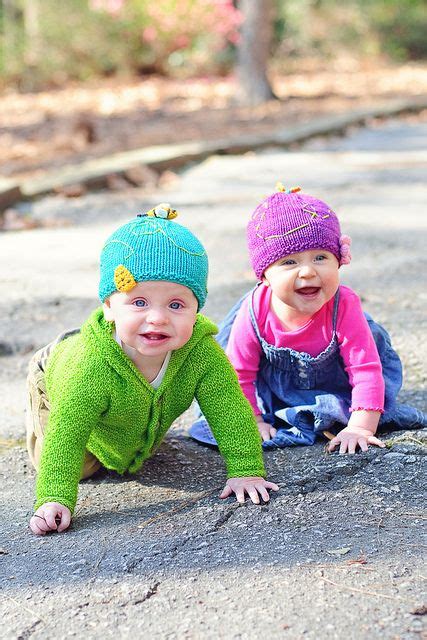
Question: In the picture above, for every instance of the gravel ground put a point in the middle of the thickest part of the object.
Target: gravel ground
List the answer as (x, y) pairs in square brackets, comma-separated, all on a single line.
[(338, 551)]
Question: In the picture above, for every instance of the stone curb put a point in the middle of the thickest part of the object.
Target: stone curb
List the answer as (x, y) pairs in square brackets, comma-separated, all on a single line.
[(93, 173)]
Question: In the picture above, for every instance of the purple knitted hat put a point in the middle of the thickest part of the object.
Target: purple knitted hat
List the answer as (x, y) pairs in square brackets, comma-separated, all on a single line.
[(288, 222)]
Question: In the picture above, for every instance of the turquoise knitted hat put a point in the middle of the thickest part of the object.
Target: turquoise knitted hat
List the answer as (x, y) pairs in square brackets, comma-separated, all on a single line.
[(153, 247)]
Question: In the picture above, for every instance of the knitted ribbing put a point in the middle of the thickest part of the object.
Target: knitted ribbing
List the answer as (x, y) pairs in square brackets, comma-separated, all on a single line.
[(101, 402)]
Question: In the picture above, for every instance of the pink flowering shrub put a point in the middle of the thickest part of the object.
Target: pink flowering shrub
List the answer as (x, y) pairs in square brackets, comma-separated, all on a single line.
[(172, 34)]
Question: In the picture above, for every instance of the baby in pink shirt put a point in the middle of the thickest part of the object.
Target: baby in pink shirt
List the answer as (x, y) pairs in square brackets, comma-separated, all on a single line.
[(308, 359)]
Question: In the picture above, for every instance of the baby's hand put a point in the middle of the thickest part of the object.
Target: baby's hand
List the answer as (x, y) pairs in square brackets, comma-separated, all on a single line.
[(266, 430), (254, 487), (351, 437), (51, 516)]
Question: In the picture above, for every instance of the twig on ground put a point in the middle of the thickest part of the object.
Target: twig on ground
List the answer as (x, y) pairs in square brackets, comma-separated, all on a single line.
[(100, 557), (22, 606), (364, 591), (404, 438)]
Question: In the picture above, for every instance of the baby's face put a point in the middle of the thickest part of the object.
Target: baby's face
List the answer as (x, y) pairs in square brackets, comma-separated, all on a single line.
[(303, 282), (154, 317)]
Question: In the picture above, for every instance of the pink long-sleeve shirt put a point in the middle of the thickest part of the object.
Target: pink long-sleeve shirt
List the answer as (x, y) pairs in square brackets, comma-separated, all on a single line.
[(356, 344)]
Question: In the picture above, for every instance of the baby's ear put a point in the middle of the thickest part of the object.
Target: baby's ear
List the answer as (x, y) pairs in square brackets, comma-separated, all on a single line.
[(108, 312), (265, 281)]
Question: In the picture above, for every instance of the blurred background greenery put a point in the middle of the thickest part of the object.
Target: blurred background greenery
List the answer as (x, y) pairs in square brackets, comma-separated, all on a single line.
[(46, 43)]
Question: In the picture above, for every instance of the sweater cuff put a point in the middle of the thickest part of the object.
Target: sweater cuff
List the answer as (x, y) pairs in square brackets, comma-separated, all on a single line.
[(250, 469), (70, 504)]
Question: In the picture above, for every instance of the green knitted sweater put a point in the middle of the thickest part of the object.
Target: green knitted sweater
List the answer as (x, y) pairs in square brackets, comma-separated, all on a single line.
[(101, 402)]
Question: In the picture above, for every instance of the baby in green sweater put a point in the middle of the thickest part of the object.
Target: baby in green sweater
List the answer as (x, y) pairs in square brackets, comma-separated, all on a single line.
[(107, 394)]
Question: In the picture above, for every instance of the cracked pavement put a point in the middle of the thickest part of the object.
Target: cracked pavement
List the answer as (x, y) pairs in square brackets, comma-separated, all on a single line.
[(338, 551)]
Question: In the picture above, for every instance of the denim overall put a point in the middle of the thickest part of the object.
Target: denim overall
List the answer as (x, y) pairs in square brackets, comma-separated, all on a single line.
[(302, 396)]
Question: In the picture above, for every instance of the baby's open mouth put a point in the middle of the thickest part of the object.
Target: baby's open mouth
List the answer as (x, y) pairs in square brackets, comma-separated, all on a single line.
[(308, 291), (154, 336)]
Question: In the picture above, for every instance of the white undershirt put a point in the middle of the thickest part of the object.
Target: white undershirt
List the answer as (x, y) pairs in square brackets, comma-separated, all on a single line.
[(159, 377)]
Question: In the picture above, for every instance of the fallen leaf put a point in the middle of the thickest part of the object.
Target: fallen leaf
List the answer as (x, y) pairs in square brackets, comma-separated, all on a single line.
[(361, 560), (338, 552), (419, 611)]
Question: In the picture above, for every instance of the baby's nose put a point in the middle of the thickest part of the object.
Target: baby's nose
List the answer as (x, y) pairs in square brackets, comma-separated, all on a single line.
[(306, 271), (157, 316)]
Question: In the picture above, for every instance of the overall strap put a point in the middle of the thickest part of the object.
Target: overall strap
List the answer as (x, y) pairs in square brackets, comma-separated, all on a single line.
[(335, 311), (255, 324), (252, 313)]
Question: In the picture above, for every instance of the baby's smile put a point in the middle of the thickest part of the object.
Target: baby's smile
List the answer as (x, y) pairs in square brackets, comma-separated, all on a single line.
[(308, 291), (154, 336)]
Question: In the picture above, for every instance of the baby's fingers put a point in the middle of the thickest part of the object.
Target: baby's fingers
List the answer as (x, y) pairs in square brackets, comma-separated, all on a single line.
[(39, 526), (253, 494), (333, 444), (65, 521), (261, 488), (271, 485), (226, 492), (50, 518), (352, 444), (240, 495), (264, 430), (363, 444), (376, 441)]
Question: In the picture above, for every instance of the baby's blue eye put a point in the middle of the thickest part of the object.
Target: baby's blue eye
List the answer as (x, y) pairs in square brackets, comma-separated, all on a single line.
[(139, 303), (320, 257), (175, 305)]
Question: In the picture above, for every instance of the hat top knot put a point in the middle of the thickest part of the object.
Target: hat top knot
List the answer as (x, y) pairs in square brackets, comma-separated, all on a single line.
[(280, 187), (162, 210)]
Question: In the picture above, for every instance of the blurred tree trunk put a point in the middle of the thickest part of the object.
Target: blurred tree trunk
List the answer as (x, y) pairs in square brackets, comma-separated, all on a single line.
[(254, 50), (32, 43), (32, 32), (8, 33)]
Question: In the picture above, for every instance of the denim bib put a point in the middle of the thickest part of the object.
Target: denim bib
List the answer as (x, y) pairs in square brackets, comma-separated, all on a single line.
[(302, 395)]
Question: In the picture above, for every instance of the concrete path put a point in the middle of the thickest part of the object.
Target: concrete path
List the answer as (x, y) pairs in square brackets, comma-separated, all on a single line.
[(337, 553)]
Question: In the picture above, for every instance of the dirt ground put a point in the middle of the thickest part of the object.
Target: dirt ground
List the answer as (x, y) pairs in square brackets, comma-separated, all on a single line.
[(40, 132), (338, 553)]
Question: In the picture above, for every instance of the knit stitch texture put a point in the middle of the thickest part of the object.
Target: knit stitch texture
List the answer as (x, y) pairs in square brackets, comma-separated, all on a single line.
[(100, 401), (286, 223), (148, 248)]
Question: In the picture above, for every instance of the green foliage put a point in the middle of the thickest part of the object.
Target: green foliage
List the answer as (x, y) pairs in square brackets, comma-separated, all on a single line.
[(80, 39), (77, 39), (362, 27), (71, 42), (401, 28)]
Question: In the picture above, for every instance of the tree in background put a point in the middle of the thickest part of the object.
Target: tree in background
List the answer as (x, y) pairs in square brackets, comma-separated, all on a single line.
[(253, 51), (46, 42)]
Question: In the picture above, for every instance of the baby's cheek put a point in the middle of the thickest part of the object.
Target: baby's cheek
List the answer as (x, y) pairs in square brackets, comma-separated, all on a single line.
[(186, 334)]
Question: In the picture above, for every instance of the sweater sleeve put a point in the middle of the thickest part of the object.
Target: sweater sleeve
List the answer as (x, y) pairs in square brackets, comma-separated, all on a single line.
[(244, 352), (228, 412), (77, 398), (360, 355)]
